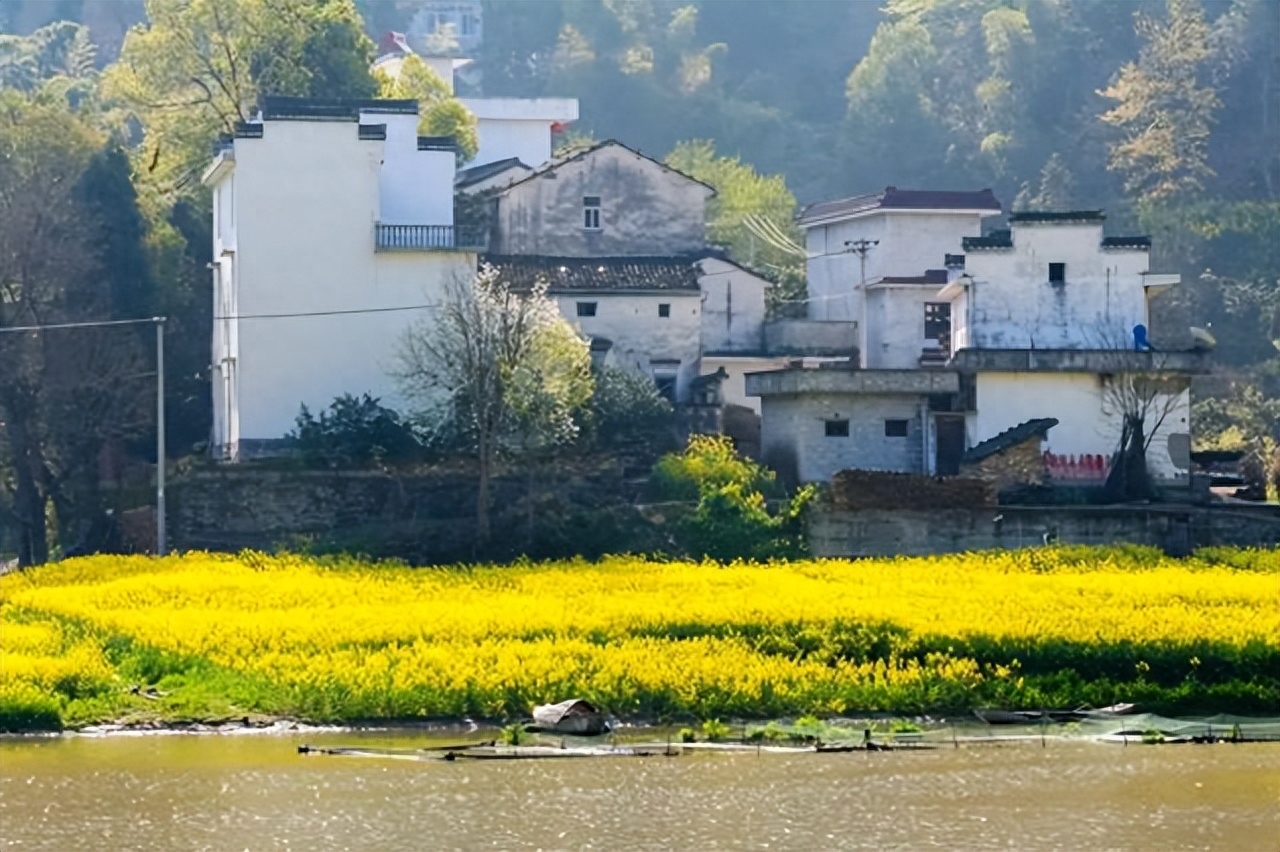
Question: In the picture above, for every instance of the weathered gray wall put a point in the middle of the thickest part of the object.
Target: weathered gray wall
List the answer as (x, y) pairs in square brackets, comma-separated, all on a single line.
[(793, 427), (1177, 529), (645, 209)]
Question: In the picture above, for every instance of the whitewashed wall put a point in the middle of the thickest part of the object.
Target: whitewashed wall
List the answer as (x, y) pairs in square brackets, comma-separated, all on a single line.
[(733, 307), (641, 337), (895, 325), (911, 241), (734, 387), (517, 127), (415, 187), (307, 195), (646, 209), (1087, 424), (794, 440), (1012, 305)]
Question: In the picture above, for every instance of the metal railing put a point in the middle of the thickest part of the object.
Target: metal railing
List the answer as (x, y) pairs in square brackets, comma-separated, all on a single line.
[(428, 238)]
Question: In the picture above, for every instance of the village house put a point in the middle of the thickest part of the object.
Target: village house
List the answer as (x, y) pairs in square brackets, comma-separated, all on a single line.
[(620, 240), (1001, 347), (332, 230)]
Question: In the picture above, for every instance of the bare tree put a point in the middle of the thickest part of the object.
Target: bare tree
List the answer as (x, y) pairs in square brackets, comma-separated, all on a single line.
[(1141, 390), (500, 368)]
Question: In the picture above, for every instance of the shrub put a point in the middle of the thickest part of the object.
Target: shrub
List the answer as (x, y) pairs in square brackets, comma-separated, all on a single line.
[(355, 433), (627, 408), (732, 519)]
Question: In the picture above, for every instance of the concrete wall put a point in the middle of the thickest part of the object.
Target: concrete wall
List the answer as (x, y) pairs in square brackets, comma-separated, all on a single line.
[(811, 337), (734, 388), (794, 440), (1178, 529), (414, 187), (307, 196), (646, 209), (895, 325), (642, 340), (911, 241), (1012, 305), (1088, 422), (517, 127), (733, 307)]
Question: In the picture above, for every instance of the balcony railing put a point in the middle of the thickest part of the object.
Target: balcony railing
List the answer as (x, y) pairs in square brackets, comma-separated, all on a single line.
[(429, 238)]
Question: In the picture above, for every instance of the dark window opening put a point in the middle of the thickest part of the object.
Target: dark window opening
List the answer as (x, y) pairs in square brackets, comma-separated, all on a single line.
[(837, 428), (586, 309), (1057, 273), (666, 387), (937, 324), (664, 310), (895, 428)]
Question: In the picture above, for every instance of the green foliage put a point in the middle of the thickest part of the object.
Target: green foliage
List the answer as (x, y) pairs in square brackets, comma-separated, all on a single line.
[(355, 433), (715, 730), (514, 735), (731, 519), (197, 67), (751, 214), (441, 114), (23, 710), (626, 408), (688, 735)]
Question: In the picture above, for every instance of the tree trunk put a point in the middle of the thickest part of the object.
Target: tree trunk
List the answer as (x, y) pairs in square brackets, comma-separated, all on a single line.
[(482, 491), (29, 503)]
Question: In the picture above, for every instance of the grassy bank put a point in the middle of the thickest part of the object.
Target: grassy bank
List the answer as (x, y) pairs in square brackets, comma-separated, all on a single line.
[(221, 636)]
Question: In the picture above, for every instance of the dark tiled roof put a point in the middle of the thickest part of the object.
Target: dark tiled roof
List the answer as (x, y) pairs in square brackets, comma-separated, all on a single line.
[(347, 109), (1056, 216), (1126, 242), (931, 276), (993, 240), (555, 164), (1010, 438), (437, 143), (597, 274), (893, 198), (475, 174)]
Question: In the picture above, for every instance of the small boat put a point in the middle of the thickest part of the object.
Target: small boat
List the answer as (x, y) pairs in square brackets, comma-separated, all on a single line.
[(575, 716)]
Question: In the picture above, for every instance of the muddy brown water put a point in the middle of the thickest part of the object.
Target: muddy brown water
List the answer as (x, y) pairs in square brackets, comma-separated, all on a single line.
[(220, 792)]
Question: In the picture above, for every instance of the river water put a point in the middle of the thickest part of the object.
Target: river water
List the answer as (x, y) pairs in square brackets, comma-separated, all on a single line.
[(221, 792)]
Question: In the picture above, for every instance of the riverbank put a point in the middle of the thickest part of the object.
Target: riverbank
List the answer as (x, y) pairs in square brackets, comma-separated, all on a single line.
[(205, 637)]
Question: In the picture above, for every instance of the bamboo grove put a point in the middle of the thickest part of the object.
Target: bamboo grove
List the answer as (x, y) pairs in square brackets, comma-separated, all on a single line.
[(206, 636)]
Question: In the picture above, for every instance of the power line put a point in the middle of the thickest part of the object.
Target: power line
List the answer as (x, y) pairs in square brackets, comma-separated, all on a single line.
[(327, 313), (88, 324)]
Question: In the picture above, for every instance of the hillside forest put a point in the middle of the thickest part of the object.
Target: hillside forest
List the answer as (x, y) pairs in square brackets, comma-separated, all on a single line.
[(1164, 113)]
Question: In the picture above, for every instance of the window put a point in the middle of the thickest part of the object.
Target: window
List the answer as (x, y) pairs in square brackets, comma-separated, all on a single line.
[(664, 310), (895, 428), (591, 212), (666, 385), (838, 428), (586, 309), (937, 323), (1057, 273)]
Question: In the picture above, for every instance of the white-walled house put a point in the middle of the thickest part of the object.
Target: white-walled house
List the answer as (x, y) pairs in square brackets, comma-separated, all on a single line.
[(1048, 318), (333, 231), (857, 247), (1043, 322)]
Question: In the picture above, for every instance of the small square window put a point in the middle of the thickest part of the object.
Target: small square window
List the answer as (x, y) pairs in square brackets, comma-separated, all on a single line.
[(586, 309), (895, 428), (1057, 273), (837, 428), (664, 310)]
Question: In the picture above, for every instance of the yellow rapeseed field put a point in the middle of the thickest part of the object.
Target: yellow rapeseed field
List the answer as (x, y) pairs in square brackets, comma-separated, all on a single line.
[(341, 639)]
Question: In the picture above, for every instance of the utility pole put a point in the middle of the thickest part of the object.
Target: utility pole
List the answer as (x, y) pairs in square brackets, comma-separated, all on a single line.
[(160, 437), (861, 248)]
